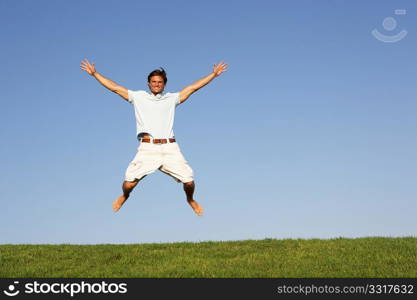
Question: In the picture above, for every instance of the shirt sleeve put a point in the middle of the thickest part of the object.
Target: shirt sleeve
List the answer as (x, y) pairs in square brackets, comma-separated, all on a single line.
[(131, 96), (177, 99)]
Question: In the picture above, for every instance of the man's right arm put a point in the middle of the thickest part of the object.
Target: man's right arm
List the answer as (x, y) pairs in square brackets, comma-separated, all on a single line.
[(107, 83), (111, 85)]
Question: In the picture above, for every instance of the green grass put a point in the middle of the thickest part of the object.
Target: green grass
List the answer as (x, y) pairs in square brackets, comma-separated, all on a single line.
[(341, 257)]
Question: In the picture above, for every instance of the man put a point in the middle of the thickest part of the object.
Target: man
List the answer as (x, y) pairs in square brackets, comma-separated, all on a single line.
[(154, 111)]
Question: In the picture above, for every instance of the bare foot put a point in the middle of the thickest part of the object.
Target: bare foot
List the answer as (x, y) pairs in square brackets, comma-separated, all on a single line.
[(198, 209), (118, 203)]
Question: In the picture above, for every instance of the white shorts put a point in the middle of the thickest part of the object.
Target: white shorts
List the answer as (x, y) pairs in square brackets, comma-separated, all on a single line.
[(165, 157)]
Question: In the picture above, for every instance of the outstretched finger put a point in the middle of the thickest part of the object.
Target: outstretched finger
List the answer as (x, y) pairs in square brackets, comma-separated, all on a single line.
[(87, 62), (85, 65)]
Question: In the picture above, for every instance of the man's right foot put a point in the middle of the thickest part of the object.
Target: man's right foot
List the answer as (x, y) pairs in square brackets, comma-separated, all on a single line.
[(118, 203)]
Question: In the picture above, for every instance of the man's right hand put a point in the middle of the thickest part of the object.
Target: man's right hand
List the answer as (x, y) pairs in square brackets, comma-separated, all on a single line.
[(89, 68), (107, 83)]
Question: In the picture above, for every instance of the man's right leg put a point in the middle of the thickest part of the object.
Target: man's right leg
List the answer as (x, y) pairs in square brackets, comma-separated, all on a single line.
[(127, 188)]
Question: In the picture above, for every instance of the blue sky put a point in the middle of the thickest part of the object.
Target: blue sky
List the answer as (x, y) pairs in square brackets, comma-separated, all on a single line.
[(310, 134)]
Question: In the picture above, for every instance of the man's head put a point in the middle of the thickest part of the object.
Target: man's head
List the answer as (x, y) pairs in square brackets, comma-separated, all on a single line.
[(157, 80)]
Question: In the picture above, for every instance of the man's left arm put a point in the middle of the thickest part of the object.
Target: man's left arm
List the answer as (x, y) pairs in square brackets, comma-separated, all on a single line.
[(189, 90)]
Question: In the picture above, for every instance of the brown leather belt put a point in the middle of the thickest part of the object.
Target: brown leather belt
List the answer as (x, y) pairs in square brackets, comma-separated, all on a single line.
[(157, 141)]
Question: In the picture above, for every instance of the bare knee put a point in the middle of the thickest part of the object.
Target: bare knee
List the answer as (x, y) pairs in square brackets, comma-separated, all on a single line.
[(189, 184), (128, 186)]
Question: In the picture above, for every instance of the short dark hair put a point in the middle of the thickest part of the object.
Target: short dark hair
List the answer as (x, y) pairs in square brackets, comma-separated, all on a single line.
[(158, 72)]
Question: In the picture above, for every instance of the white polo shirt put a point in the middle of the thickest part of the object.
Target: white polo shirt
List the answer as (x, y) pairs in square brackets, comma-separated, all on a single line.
[(154, 113)]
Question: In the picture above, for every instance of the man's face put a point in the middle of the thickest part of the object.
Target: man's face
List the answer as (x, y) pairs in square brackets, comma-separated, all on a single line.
[(156, 84)]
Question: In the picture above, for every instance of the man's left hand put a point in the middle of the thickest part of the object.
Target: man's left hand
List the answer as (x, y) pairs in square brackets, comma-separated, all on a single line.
[(219, 68)]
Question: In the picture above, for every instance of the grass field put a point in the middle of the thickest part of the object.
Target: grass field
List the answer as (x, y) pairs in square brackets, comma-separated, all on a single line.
[(340, 257)]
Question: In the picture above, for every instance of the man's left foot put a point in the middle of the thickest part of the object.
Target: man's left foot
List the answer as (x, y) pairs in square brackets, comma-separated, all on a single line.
[(198, 209)]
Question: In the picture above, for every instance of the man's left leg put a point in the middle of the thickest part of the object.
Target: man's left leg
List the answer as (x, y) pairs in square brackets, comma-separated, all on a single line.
[(189, 191), (175, 165)]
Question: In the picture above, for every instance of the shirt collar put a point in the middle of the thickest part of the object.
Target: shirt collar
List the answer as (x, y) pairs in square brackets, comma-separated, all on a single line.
[(158, 96)]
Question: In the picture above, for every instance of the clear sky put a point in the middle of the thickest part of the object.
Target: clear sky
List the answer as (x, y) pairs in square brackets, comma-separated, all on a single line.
[(311, 133)]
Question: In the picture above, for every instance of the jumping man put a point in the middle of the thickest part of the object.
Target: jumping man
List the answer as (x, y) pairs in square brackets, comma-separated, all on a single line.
[(154, 112)]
